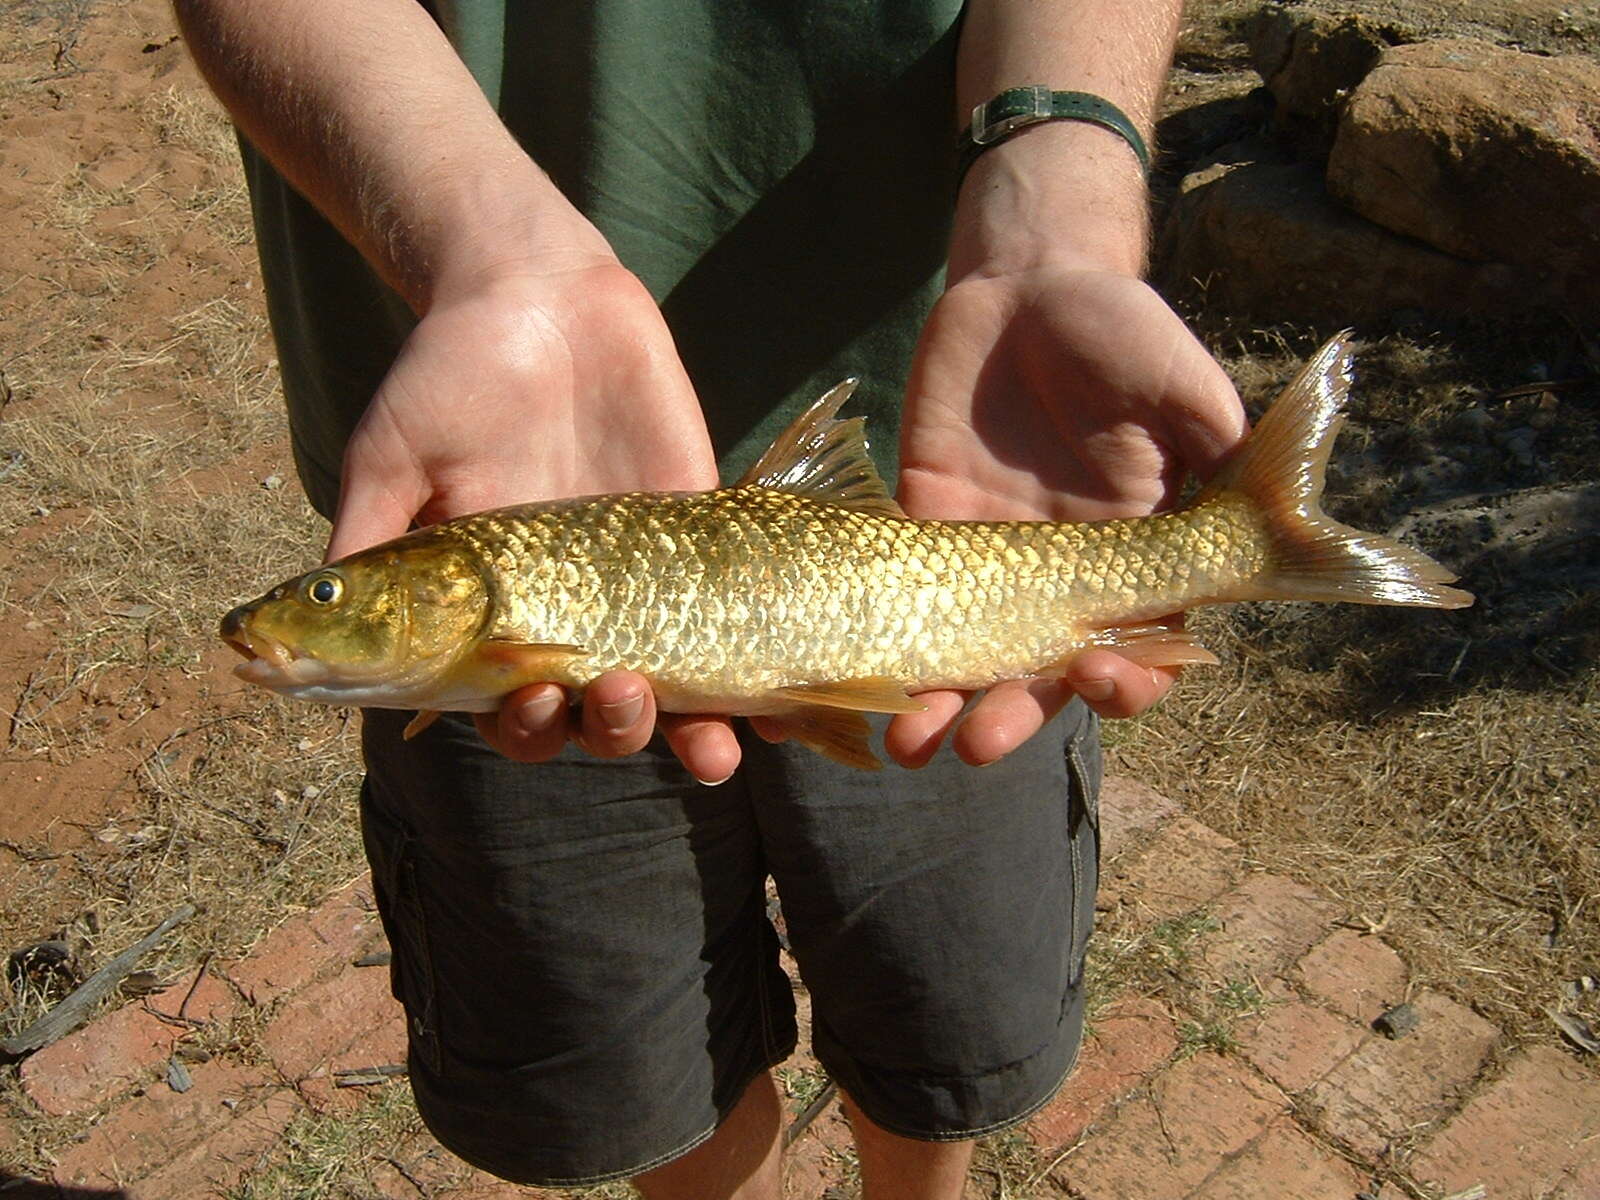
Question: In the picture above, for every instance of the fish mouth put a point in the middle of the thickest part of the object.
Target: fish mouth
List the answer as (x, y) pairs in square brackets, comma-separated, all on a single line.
[(267, 661)]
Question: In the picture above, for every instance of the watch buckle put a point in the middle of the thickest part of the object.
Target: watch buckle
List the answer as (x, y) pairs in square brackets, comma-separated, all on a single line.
[(1038, 100)]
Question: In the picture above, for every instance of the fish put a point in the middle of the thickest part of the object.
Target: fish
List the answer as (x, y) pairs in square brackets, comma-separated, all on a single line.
[(805, 594)]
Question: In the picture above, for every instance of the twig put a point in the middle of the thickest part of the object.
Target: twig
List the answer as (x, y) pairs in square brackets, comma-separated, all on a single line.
[(423, 1189), (74, 1010), (182, 1017), (811, 1112), (183, 1009), (367, 1076)]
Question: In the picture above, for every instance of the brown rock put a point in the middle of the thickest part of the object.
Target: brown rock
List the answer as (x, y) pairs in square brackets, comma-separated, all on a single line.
[(1545, 26), (1487, 154), (1263, 240), (1311, 61)]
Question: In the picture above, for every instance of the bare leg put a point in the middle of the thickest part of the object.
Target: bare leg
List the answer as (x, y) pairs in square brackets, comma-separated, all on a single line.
[(738, 1162), (899, 1168)]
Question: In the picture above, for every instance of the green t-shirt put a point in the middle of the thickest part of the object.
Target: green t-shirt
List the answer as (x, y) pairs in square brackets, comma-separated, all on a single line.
[(779, 173)]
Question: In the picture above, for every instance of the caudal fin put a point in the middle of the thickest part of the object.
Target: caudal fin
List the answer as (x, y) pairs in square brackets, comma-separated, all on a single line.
[(1281, 470)]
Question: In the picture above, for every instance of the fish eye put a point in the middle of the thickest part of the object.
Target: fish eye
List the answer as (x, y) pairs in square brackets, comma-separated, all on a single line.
[(325, 589)]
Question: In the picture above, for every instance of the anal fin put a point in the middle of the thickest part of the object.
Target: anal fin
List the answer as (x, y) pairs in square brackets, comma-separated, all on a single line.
[(837, 733), (871, 694), (1154, 644)]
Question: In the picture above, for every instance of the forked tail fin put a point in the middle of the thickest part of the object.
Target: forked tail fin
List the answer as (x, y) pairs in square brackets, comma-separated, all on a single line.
[(1280, 469)]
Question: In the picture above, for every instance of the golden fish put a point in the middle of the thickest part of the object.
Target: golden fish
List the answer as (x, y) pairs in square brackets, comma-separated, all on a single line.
[(804, 593)]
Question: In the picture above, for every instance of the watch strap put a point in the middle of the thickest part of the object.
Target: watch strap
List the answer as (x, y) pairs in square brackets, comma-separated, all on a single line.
[(1016, 108)]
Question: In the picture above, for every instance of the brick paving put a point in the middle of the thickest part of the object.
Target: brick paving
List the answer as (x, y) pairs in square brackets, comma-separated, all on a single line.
[(1302, 1099)]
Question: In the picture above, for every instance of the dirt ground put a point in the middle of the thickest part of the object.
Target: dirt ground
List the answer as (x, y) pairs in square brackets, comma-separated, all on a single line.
[(1435, 772)]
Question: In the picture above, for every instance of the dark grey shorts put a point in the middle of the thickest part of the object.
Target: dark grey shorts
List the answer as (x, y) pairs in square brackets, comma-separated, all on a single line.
[(583, 950)]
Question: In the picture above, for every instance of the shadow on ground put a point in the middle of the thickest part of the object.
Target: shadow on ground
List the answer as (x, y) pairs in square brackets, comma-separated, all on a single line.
[(18, 1187)]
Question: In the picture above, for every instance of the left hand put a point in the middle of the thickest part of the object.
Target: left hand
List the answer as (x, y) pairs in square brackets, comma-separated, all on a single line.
[(1053, 392)]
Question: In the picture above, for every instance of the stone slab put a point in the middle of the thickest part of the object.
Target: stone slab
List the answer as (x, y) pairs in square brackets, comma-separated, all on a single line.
[(1183, 866), (1534, 1130), (147, 1130), (1386, 1089), (1359, 976), (1163, 1145), (332, 935), (1267, 922), (1295, 1044), (1125, 1045), (1282, 1163), (326, 1017)]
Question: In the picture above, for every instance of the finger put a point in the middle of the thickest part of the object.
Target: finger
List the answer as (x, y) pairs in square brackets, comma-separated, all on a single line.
[(706, 745), (1008, 715), (619, 714), (531, 725), (913, 738), (769, 729), (1115, 687)]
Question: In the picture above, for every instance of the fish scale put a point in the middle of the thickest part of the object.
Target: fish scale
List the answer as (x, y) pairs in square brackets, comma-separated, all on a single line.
[(805, 594)]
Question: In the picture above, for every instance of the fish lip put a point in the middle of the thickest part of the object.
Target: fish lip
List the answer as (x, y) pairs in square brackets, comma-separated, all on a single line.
[(241, 644)]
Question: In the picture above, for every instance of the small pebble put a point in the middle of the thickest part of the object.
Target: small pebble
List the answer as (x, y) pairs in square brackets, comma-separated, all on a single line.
[(1398, 1021)]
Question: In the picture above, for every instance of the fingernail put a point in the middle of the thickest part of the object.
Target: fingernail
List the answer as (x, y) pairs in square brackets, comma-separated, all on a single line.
[(620, 715), (536, 715), (716, 782), (1095, 690)]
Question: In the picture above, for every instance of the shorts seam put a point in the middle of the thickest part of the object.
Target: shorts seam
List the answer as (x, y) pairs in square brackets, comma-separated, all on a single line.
[(964, 1135), (660, 1160)]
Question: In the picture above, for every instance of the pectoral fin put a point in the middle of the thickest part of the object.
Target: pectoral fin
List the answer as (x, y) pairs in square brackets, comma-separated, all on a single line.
[(418, 723), (493, 668)]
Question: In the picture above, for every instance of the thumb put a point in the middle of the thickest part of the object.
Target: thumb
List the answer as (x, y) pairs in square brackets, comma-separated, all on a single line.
[(374, 504), (1206, 422)]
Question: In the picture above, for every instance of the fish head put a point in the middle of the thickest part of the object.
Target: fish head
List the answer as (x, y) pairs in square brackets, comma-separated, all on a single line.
[(375, 628)]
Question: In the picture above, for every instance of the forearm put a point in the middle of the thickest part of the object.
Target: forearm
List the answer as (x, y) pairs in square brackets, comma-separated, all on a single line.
[(1060, 190), (368, 111)]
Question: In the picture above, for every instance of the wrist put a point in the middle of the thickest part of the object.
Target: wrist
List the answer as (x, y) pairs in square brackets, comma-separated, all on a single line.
[(499, 223), (1060, 193)]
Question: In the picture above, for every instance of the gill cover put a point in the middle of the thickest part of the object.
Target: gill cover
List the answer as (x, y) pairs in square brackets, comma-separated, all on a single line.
[(377, 622)]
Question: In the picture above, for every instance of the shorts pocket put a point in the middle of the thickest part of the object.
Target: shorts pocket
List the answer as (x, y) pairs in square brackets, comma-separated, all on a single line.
[(391, 852)]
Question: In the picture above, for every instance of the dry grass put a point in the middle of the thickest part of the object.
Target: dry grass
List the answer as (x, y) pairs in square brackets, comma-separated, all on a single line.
[(132, 390)]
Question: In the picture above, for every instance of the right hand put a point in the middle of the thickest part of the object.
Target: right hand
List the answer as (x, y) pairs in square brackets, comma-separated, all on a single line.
[(523, 385)]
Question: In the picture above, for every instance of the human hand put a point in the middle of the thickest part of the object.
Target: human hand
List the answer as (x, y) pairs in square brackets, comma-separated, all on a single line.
[(523, 385), (1054, 392)]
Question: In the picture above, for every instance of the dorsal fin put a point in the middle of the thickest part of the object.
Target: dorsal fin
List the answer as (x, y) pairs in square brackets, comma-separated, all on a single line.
[(826, 459)]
